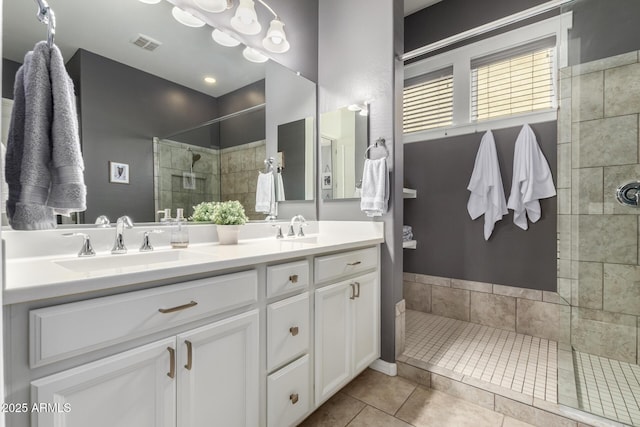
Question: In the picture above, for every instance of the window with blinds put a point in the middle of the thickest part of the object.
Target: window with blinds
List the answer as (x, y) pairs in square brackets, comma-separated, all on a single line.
[(515, 81), (428, 101)]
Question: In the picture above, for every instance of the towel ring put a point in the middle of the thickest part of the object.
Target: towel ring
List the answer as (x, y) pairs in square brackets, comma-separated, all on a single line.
[(379, 141)]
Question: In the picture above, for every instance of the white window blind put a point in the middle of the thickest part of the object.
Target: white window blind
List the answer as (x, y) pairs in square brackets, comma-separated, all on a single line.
[(514, 81), (428, 101)]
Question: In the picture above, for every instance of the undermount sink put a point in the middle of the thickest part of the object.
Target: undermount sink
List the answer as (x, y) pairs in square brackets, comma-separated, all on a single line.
[(109, 262)]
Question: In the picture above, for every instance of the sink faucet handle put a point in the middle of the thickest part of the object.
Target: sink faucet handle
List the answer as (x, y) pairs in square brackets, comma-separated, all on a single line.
[(302, 225), (126, 221), (87, 249), (146, 246), (103, 222)]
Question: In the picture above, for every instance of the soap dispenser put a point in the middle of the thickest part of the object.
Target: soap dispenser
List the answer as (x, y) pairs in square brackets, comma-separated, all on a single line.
[(179, 231), (166, 215)]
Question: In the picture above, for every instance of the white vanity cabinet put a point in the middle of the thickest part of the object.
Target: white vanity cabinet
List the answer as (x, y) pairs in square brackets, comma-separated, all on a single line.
[(347, 321)]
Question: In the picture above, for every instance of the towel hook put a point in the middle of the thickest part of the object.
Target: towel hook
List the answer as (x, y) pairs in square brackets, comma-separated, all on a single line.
[(47, 16), (379, 142)]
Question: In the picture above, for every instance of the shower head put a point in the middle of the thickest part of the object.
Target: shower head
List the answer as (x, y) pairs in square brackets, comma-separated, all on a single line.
[(194, 159)]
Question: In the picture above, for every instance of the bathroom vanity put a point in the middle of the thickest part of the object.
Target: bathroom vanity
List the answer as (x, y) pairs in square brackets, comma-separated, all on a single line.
[(255, 334)]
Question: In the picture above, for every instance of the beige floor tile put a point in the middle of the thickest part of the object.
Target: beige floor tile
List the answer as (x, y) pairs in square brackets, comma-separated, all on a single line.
[(336, 412), (426, 408), (512, 422), (380, 391), (372, 417)]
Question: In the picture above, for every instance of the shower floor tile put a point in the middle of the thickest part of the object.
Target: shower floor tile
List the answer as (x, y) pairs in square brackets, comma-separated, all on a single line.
[(607, 387), (522, 363)]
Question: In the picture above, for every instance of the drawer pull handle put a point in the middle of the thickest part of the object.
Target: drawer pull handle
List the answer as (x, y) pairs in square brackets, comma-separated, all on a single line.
[(172, 363), (353, 291), (294, 330), (293, 278), (189, 354), (351, 264), (358, 289), (178, 308), (294, 398)]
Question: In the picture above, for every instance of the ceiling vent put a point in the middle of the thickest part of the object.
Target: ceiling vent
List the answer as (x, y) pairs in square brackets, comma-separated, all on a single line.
[(145, 42)]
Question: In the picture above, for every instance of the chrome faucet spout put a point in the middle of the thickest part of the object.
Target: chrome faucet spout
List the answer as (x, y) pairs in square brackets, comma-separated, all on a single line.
[(122, 223), (303, 223)]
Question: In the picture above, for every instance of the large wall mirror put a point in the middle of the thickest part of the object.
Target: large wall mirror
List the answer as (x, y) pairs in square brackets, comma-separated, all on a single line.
[(343, 143), (186, 120)]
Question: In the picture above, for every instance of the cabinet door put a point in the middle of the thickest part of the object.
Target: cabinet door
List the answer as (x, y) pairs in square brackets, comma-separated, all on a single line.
[(333, 339), (218, 380), (366, 322), (131, 389)]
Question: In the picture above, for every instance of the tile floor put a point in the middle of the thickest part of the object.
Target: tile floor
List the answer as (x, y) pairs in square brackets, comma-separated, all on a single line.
[(608, 387), (377, 400), (522, 363)]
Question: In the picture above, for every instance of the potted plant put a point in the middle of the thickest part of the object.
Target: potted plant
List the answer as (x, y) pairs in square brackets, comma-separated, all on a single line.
[(228, 217)]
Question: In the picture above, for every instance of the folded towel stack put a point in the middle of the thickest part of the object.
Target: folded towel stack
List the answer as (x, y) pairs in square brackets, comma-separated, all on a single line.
[(44, 165), (407, 233), (375, 187)]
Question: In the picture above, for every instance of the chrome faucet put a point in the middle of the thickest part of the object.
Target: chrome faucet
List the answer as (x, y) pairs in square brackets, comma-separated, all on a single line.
[(86, 249), (271, 219), (303, 223), (122, 223)]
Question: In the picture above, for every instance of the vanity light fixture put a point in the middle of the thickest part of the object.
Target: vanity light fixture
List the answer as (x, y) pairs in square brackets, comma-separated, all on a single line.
[(210, 80), (224, 39), (185, 18), (245, 19), (215, 6), (362, 109), (250, 54), (276, 40), (150, 1)]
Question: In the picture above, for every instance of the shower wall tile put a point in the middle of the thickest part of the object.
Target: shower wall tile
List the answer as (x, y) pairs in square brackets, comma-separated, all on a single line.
[(622, 288), (564, 268), (493, 310), (511, 291), (564, 288), (588, 199), (564, 121), (543, 320), (603, 64), (586, 97), (588, 289), (604, 334), (565, 88), (471, 286), (564, 201), (608, 238), (449, 302), (565, 72), (433, 280), (614, 176), (410, 277), (554, 298), (607, 142), (564, 166), (417, 296), (622, 90)]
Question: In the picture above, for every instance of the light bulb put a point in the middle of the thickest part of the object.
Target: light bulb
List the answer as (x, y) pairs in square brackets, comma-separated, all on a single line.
[(276, 40), (245, 19)]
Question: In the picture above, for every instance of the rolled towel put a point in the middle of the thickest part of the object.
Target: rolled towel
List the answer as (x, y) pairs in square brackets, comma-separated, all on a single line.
[(375, 187)]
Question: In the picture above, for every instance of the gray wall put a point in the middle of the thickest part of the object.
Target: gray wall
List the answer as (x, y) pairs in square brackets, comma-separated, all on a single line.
[(291, 141), (450, 244), (121, 110), (357, 46), (249, 127), (9, 70)]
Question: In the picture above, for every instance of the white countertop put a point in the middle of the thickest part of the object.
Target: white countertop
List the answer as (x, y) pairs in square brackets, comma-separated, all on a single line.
[(42, 277)]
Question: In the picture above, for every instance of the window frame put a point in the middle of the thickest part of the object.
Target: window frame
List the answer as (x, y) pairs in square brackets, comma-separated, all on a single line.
[(460, 59)]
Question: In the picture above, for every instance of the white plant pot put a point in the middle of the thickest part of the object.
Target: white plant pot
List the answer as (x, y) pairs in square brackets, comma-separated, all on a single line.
[(228, 234)]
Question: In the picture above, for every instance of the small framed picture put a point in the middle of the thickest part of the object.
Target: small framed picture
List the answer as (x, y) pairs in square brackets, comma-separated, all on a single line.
[(118, 173), (188, 181), (326, 181)]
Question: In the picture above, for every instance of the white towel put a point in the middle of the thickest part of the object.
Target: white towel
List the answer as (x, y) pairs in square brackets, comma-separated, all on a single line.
[(532, 179), (44, 166), (280, 188), (265, 193), (487, 193), (375, 187)]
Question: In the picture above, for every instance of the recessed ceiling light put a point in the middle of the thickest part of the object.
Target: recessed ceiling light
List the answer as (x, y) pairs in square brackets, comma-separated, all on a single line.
[(210, 80)]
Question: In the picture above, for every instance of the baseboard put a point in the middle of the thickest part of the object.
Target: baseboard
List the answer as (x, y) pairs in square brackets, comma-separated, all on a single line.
[(390, 369)]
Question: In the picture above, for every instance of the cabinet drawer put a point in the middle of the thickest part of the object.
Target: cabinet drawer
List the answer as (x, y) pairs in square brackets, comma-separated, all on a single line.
[(287, 330), (67, 330), (332, 267), (288, 394), (284, 278)]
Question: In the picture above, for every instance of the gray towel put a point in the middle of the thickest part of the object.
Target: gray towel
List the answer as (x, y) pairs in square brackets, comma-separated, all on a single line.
[(44, 163)]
